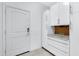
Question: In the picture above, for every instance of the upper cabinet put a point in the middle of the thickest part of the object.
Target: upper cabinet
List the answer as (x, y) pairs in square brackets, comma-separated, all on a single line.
[(74, 7), (54, 14), (64, 14), (47, 17), (59, 14)]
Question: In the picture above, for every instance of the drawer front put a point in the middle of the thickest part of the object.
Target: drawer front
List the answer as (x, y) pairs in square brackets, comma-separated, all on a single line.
[(58, 43), (59, 46), (55, 51)]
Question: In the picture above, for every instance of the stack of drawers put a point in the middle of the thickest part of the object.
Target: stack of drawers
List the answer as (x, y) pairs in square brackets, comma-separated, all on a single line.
[(60, 48)]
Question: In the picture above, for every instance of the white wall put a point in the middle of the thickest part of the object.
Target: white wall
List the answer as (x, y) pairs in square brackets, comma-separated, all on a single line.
[(74, 29), (36, 10)]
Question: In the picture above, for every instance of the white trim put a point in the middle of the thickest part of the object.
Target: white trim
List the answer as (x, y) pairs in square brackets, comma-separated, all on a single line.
[(3, 25)]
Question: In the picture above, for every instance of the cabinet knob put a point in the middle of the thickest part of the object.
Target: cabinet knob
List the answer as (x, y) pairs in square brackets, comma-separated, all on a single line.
[(28, 29)]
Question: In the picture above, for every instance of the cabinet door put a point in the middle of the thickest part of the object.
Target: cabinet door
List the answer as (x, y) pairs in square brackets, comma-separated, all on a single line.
[(47, 17), (0, 29), (63, 14), (74, 7), (54, 14)]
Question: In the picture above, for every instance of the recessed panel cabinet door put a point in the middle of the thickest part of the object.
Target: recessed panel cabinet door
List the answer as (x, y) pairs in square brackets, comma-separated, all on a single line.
[(17, 24), (74, 7), (0, 29), (54, 15), (63, 14)]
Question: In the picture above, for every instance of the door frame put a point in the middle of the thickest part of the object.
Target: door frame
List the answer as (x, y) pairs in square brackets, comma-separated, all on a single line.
[(1, 27), (4, 26)]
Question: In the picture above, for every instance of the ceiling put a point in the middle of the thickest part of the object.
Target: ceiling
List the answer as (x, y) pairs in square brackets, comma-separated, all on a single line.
[(48, 4)]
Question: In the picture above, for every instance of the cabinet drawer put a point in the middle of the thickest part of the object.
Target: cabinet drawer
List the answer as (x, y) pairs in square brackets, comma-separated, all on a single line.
[(61, 43), (55, 51), (59, 46)]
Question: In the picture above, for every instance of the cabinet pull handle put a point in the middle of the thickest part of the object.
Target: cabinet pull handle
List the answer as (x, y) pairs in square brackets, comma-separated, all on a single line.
[(28, 29), (70, 9)]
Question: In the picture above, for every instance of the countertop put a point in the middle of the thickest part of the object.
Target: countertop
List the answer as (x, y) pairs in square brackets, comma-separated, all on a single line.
[(59, 38)]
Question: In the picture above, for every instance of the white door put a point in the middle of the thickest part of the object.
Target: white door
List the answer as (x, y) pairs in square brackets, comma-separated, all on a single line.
[(0, 29), (17, 35)]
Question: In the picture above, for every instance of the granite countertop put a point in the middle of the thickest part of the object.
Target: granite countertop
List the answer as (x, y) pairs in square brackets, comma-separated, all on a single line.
[(59, 37)]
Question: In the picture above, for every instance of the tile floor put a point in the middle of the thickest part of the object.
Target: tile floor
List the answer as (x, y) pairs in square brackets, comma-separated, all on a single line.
[(38, 52)]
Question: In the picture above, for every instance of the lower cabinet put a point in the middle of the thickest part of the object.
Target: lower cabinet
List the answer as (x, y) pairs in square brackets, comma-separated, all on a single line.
[(57, 48)]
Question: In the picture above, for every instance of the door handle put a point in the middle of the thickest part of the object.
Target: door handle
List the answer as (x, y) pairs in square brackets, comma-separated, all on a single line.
[(28, 29)]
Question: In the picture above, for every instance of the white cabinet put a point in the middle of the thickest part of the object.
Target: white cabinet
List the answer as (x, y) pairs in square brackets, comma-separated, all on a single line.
[(47, 17), (59, 14), (57, 47), (63, 14), (54, 15), (74, 7)]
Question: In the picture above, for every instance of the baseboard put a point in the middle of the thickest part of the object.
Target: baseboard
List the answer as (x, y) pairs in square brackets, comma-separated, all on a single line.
[(48, 51), (29, 51), (22, 53)]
